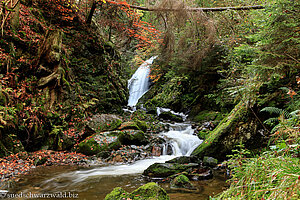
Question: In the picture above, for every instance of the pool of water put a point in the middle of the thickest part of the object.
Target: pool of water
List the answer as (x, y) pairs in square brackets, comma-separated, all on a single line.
[(54, 180)]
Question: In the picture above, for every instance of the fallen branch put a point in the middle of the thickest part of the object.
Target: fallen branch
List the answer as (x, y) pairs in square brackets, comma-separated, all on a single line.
[(192, 9)]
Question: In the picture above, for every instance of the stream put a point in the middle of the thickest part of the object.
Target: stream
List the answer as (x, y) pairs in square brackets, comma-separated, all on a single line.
[(96, 182)]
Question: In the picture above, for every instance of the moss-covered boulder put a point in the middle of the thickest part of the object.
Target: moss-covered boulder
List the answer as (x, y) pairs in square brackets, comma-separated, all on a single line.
[(210, 161), (184, 160), (117, 194), (167, 169), (129, 125), (237, 127), (170, 116), (133, 137), (142, 125), (182, 181), (150, 191), (104, 122), (135, 125), (99, 142), (10, 144)]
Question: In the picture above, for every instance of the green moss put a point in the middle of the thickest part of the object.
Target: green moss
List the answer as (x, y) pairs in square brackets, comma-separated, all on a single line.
[(117, 194), (129, 125), (210, 145), (90, 147), (167, 169), (208, 115), (182, 181), (142, 125), (3, 151), (203, 134), (136, 137), (150, 191), (170, 116)]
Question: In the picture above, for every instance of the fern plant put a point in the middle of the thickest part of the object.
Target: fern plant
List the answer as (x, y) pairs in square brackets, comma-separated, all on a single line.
[(286, 124)]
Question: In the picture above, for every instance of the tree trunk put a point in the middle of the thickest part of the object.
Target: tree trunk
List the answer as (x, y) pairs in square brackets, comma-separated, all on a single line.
[(90, 16), (15, 16), (49, 70)]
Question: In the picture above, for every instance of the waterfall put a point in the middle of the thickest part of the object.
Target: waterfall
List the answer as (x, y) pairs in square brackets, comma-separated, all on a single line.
[(181, 138), (138, 85)]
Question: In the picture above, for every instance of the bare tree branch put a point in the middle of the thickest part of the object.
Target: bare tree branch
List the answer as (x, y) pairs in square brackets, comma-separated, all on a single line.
[(193, 9)]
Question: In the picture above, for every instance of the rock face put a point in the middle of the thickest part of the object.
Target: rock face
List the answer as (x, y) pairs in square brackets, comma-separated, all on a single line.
[(235, 128), (182, 181), (167, 169), (150, 191)]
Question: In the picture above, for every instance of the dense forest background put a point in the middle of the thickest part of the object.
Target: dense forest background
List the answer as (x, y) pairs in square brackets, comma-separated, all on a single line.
[(63, 61)]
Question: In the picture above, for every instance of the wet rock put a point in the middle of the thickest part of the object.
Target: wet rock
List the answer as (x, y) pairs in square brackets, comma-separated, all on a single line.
[(135, 125), (202, 173), (104, 122), (142, 125), (156, 151), (129, 125), (99, 142), (210, 161), (170, 116), (184, 160), (182, 181), (117, 194), (128, 154), (150, 191), (133, 137), (167, 169)]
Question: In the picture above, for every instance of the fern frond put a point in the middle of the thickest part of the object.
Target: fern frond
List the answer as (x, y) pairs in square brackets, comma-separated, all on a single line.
[(271, 121), (295, 113), (272, 110)]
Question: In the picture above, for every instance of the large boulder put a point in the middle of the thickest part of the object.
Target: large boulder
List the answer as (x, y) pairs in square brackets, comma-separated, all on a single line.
[(135, 125), (104, 122), (99, 142), (170, 116), (183, 182), (150, 191), (168, 169), (133, 137), (117, 194), (237, 127), (184, 160)]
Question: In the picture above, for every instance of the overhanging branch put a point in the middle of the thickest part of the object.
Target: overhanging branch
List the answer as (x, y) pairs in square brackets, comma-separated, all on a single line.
[(192, 9)]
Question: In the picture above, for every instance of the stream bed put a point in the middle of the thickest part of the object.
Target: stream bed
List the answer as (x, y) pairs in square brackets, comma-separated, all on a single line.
[(53, 180), (97, 181)]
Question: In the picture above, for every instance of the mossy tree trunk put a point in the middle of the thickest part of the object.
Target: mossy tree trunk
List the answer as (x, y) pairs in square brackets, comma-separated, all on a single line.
[(238, 127), (50, 67)]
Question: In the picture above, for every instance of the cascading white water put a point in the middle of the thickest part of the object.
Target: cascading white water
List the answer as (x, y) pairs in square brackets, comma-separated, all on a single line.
[(181, 138), (138, 85)]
